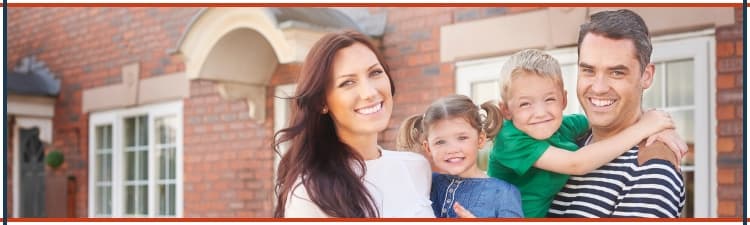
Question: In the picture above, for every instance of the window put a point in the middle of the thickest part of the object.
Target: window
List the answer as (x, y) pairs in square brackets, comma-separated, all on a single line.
[(682, 86), (282, 112), (136, 162)]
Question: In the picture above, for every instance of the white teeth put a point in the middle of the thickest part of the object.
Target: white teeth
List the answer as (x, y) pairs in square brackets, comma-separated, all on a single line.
[(601, 103), (371, 110), (456, 159)]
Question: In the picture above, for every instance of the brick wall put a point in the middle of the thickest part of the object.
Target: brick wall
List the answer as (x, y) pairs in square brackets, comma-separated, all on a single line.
[(228, 164), (729, 114), (85, 48)]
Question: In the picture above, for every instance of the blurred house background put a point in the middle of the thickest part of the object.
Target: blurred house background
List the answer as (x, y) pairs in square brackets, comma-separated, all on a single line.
[(169, 112)]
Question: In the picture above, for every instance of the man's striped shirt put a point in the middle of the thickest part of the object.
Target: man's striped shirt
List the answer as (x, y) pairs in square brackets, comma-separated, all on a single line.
[(621, 188)]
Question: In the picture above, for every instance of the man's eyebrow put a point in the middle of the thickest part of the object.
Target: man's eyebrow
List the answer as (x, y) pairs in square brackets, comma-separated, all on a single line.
[(618, 67), (583, 64)]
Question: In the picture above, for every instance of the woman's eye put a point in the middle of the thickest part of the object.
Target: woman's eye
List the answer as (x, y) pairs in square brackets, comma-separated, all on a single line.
[(376, 73), (346, 83)]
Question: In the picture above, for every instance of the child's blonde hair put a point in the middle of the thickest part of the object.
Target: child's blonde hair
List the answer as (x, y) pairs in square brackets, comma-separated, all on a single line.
[(414, 129), (528, 61)]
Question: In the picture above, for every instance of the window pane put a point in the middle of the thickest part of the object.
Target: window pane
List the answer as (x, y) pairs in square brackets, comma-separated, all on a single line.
[(103, 137), (129, 200), (652, 97), (688, 210), (162, 164), (570, 76), (680, 83), (130, 166), (103, 200), (99, 137), (143, 199), (142, 131), (162, 199), (108, 137), (142, 165), (483, 91), (171, 200), (171, 165), (129, 132), (104, 167), (684, 121), (108, 167)]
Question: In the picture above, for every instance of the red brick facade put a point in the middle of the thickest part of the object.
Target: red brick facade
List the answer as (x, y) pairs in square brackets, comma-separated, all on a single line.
[(85, 48), (227, 157), (729, 114)]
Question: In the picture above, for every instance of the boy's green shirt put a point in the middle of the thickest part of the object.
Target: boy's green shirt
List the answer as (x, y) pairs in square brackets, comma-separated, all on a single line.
[(513, 156)]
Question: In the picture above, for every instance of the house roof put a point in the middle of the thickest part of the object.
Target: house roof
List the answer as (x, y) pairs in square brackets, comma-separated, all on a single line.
[(31, 77)]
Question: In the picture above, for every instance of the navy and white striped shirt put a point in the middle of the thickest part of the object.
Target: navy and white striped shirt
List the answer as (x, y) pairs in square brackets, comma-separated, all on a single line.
[(621, 188)]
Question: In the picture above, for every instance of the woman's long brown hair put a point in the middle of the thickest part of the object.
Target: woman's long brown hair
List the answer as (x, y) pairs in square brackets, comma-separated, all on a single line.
[(316, 155)]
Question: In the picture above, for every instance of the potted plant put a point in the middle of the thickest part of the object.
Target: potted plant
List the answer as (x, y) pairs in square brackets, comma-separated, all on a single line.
[(54, 159)]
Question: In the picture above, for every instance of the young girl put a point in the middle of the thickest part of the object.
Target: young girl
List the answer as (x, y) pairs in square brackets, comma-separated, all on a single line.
[(452, 131)]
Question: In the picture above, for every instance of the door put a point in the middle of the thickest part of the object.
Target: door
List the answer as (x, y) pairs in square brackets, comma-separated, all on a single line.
[(32, 173)]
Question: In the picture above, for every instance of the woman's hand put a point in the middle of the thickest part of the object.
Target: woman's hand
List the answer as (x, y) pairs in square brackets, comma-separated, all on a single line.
[(461, 212)]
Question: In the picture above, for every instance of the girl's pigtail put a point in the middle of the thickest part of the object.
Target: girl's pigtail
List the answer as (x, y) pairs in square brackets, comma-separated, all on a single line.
[(494, 120), (410, 134)]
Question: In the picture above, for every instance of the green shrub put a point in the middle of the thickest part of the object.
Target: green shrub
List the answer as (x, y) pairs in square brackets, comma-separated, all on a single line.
[(54, 159)]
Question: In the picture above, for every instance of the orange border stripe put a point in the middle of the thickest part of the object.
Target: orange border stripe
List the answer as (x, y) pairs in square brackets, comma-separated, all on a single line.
[(369, 220), (372, 4)]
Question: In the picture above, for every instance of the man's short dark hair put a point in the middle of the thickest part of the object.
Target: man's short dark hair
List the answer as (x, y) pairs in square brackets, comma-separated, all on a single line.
[(621, 24)]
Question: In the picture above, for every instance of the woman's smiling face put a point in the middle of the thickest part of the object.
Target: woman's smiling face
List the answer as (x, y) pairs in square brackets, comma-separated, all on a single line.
[(359, 97)]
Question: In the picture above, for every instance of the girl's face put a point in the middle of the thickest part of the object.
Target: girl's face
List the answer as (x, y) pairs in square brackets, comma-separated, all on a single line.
[(359, 94), (453, 144)]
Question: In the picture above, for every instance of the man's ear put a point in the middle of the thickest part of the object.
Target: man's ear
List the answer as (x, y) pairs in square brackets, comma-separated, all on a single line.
[(504, 111), (647, 78)]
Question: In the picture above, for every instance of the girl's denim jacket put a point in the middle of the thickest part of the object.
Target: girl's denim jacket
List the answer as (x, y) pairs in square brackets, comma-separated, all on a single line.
[(483, 197)]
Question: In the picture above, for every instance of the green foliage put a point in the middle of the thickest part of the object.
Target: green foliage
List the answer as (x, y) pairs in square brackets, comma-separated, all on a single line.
[(54, 159)]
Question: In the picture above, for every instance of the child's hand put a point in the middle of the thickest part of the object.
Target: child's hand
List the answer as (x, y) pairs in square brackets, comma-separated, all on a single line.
[(654, 121), (673, 140), (461, 212)]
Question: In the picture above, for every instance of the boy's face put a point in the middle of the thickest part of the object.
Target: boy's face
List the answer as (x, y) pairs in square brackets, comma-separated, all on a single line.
[(536, 105), (453, 144)]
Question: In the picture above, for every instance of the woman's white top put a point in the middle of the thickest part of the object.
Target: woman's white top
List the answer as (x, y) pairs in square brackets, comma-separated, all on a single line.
[(399, 182)]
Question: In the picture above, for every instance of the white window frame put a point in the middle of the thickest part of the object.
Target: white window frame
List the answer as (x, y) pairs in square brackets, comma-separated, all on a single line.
[(699, 45), (115, 119)]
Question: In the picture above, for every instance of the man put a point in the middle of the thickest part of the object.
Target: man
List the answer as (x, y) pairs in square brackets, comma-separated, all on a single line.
[(614, 51)]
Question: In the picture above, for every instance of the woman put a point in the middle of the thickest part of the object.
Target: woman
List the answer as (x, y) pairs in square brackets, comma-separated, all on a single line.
[(334, 166)]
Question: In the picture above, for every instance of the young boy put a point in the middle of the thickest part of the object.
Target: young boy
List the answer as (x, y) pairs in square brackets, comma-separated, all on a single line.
[(536, 149)]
